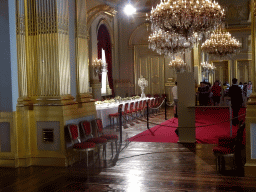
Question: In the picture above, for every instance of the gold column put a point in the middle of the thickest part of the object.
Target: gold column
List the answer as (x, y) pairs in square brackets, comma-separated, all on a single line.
[(43, 51), (83, 94), (196, 56)]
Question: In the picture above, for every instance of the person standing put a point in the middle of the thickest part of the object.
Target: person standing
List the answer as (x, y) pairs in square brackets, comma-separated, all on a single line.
[(235, 93), (216, 93), (175, 99), (249, 89), (203, 92)]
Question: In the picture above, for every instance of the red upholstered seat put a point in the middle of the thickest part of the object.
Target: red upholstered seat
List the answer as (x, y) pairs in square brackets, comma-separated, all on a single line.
[(226, 141), (110, 137), (87, 128), (84, 145), (222, 150), (116, 115), (231, 146), (98, 140), (76, 141)]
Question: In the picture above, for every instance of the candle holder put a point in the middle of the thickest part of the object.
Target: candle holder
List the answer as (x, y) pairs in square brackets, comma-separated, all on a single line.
[(99, 66), (142, 82)]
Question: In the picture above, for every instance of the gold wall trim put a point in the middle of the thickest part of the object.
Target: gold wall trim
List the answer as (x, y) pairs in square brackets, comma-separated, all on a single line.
[(135, 31), (99, 10), (82, 68)]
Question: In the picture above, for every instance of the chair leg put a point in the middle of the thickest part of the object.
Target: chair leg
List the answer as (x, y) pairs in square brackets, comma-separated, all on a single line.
[(116, 146), (87, 158), (105, 151), (112, 149)]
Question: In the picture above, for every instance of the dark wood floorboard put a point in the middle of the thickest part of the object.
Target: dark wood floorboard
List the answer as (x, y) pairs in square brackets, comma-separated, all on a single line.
[(140, 166)]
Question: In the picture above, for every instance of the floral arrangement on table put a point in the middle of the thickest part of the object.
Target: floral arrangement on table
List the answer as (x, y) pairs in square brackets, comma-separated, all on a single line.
[(109, 101), (136, 97), (118, 98), (98, 102)]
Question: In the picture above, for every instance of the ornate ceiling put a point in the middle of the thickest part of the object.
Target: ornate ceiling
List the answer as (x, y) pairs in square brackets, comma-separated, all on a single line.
[(141, 5)]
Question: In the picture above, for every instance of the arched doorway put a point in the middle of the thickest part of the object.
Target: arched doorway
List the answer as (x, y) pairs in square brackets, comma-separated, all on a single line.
[(104, 42)]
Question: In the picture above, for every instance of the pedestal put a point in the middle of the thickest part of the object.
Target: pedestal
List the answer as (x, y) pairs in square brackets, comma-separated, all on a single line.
[(250, 127)]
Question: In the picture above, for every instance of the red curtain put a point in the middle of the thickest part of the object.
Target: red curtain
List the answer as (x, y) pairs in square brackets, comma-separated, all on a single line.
[(104, 42)]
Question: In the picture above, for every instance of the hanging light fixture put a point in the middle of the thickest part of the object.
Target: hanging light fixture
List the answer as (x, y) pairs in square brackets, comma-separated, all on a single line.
[(221, 44), (178, 65), (185, 17), (168, 44), (207, 67), (99, 66)]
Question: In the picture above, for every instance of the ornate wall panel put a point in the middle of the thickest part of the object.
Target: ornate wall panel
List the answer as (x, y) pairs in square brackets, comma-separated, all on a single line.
[(243, 70), (150, 66), (222, 71)]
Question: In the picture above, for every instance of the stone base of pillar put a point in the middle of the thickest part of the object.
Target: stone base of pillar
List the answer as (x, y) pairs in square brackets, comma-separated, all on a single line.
[(84, 98), (55, 100), (96, 91), (38, 135)]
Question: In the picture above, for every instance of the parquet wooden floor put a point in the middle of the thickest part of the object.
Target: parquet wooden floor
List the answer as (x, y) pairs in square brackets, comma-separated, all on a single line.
[(142, 167)]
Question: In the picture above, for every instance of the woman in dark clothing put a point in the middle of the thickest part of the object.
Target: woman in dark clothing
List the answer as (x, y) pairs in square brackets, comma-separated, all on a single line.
[(203, 91)]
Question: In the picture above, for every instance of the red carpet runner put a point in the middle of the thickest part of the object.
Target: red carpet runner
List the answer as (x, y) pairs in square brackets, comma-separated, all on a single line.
[(207, 134)]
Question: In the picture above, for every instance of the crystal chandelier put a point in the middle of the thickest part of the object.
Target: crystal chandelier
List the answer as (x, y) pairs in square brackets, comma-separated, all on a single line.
[(186, 17), (168, 44), (207, 67), (178, 65), (99, 66), (221, 44), (142, 82)]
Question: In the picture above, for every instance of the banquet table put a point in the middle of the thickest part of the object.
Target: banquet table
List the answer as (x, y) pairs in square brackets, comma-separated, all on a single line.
[(103, 110)]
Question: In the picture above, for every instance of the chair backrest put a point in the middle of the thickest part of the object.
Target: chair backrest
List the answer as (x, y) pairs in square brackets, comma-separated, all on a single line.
[(87, 129), (136, 106), (126, 108), (144, 104), (149, 103), (152, 103), (99, 126), (120, 108), (157, 101), (140, 104), (131, 106), (74, 133)]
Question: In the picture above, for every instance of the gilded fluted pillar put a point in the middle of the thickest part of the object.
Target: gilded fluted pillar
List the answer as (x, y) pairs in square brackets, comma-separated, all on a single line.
[(43, 51)]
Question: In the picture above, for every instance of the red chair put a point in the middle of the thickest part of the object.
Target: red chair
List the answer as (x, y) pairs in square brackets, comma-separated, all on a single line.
[(114, 116), (140, 108), (111, 138), (125, 112), (231, 147), (87, 129), (77, 144), (131, 110), (144, 108)]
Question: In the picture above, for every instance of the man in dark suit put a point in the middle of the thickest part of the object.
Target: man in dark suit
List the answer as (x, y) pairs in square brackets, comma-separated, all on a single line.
[(235, 93)]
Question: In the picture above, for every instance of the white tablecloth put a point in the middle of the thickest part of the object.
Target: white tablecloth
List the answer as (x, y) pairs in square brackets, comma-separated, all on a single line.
[(103, 110)]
